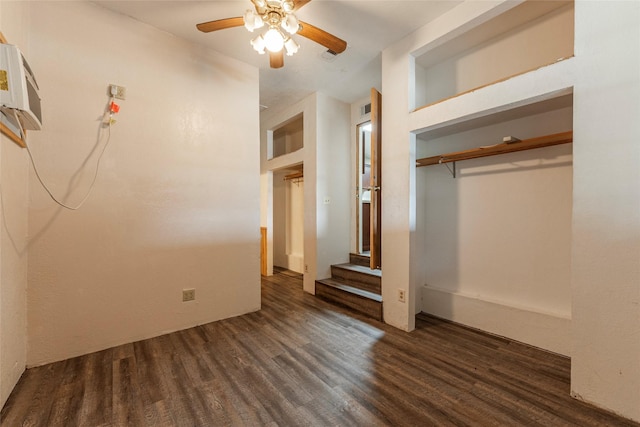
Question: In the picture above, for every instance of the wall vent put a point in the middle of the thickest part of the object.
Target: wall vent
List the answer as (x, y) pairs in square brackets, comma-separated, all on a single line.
[(365, 109)]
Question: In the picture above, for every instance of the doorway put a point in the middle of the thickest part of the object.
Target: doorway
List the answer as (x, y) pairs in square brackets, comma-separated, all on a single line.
[(369, 184), (363, 198), (288, 219)]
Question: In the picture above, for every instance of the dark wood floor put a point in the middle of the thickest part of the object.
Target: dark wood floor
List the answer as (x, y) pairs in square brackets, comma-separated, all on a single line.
[(301, 361)]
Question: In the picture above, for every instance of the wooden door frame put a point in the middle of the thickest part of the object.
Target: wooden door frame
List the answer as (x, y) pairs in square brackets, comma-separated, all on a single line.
[(376, 180)]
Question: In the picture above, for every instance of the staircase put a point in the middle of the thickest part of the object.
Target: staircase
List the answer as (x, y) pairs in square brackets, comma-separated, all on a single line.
[(354, 285)]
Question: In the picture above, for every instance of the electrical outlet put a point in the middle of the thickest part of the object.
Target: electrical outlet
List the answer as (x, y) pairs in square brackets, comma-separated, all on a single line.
[(306, 268), (402, 295), (188, 295), (118, 92), (327, 200)]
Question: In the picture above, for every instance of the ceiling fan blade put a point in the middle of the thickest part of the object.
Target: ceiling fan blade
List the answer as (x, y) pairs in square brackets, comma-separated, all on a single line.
[(276, 59), (319, 36), (297, 4), (220, 24)]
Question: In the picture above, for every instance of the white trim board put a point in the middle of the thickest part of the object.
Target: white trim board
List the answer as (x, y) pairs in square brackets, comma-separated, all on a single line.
[(550, 332)]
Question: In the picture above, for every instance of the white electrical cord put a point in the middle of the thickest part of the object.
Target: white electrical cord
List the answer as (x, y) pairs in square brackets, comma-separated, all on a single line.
[(95, 176)]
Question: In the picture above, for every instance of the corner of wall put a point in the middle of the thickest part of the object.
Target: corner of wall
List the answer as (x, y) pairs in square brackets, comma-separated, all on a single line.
[(14, 178), (605, 368), (185, 216)]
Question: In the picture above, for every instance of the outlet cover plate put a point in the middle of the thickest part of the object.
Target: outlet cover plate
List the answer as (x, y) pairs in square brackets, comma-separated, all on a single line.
[(188, 295)]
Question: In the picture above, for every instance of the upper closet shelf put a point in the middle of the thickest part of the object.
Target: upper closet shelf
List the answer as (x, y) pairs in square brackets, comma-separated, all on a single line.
[(503, 148), (526, 37), (543, 84)]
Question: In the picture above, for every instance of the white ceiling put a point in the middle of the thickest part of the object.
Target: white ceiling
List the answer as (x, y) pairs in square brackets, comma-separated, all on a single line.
[(368, 26)]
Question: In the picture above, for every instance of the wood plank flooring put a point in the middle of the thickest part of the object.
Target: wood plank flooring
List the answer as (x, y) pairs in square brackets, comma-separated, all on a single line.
[(301, 361)]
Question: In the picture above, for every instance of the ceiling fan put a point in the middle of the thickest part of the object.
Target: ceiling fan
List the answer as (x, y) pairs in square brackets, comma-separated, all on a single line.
[(278, 16)]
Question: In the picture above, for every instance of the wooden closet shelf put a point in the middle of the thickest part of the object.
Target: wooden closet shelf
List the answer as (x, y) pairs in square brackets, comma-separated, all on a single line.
[(295, 175), (504, 148)]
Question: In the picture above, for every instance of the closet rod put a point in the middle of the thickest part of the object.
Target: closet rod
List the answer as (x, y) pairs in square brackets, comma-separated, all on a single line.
[(494, 150)]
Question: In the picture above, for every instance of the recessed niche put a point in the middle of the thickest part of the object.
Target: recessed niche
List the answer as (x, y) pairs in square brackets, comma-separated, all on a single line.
[(529, 36), (288, 137), (498, 235)]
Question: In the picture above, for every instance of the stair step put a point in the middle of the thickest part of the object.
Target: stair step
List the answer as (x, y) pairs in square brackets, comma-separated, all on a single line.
[(358, 276), (351, 289), (360, 259), (362, 301)]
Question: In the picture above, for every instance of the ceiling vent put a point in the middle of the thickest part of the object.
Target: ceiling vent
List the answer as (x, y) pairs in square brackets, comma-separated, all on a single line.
[(329, 55)]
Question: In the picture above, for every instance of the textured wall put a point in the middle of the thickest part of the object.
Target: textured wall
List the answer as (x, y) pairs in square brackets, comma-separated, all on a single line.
[(14, 178), (606, 207), (176, 201)]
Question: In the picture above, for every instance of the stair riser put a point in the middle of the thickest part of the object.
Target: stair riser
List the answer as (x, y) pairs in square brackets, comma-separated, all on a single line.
[(362, 260), (376, 289), (356, 279), (362, 305)]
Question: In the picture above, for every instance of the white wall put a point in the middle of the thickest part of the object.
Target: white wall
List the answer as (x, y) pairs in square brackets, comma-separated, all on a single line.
[(497, 239), (176, 202), (326, 158), (606, 207), (333, 201), (14, 178)]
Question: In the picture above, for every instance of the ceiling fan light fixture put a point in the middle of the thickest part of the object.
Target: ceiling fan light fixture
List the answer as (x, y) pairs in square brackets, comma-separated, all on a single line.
[(287, 5), (291, 46), (281, 23), (290, 23), (258, 44), (252, 21), (274, 40)]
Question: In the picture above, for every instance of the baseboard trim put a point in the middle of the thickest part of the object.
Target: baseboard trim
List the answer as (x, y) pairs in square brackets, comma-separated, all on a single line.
[(544, 330)]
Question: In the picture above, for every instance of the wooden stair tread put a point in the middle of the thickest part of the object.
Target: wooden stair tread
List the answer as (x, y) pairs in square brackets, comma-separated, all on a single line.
[(350, 289), (354, 286), (359, 269), (358, 276)]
